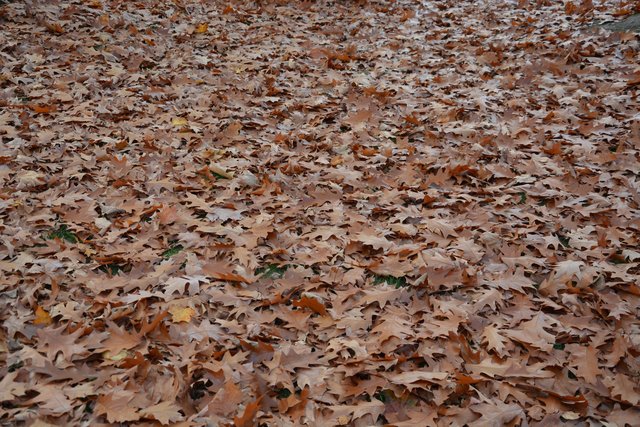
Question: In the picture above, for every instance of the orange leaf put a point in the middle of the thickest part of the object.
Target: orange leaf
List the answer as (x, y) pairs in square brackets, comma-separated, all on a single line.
[(412, 119), (555, 149), (148, 327), (407, 14), (42, 317), (466, 380), (369, 151), (570, 8), (54, 27), (622, 12), (43, 109), (121, 145), (459, 169), (247, 418), (222, 271), (103, 20), (311, 303)]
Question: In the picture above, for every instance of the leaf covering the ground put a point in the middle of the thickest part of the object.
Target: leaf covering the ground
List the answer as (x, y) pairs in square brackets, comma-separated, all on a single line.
[(319, 213)]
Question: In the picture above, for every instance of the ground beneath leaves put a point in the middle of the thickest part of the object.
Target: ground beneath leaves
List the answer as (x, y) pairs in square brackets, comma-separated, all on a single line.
[(319, 213)]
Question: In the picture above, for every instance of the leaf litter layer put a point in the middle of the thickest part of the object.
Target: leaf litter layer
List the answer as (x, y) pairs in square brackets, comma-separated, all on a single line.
[(318, 213)]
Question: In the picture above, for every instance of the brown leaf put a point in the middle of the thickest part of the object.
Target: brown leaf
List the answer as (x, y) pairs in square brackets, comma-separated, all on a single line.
[(588, 365), (165, 413), (116, 408)]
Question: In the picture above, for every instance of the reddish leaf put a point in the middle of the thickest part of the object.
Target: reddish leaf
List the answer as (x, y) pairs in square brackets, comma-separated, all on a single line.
[(311, 303), (248, 416)]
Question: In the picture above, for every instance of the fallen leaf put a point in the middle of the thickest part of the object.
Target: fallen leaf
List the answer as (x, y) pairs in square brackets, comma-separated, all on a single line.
[(179, 121), (181, 314), (311, 303), (116, 408), (165, 413), (42, 317), (248, 416), (202, 28)]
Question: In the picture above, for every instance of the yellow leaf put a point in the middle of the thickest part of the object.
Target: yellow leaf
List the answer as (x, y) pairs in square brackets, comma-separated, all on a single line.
[(181, 314), (42, 317), (179, 121), (337, 160), (116, 357), (202, 28)]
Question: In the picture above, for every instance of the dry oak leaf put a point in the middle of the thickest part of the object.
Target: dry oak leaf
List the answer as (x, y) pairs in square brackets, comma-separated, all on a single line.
[(226, 400), (496, 415), (117, 341), (343, 414), (425, 417), (533, 333), (489, 298), (441, 227), (9, 389), (57, 342), (494, 341), (116, 409), (373, 240), (404, 378), (167, 215), (164, 412), (51, 400), (588, 365), (392, 326), (492, 368), (623, 388)]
